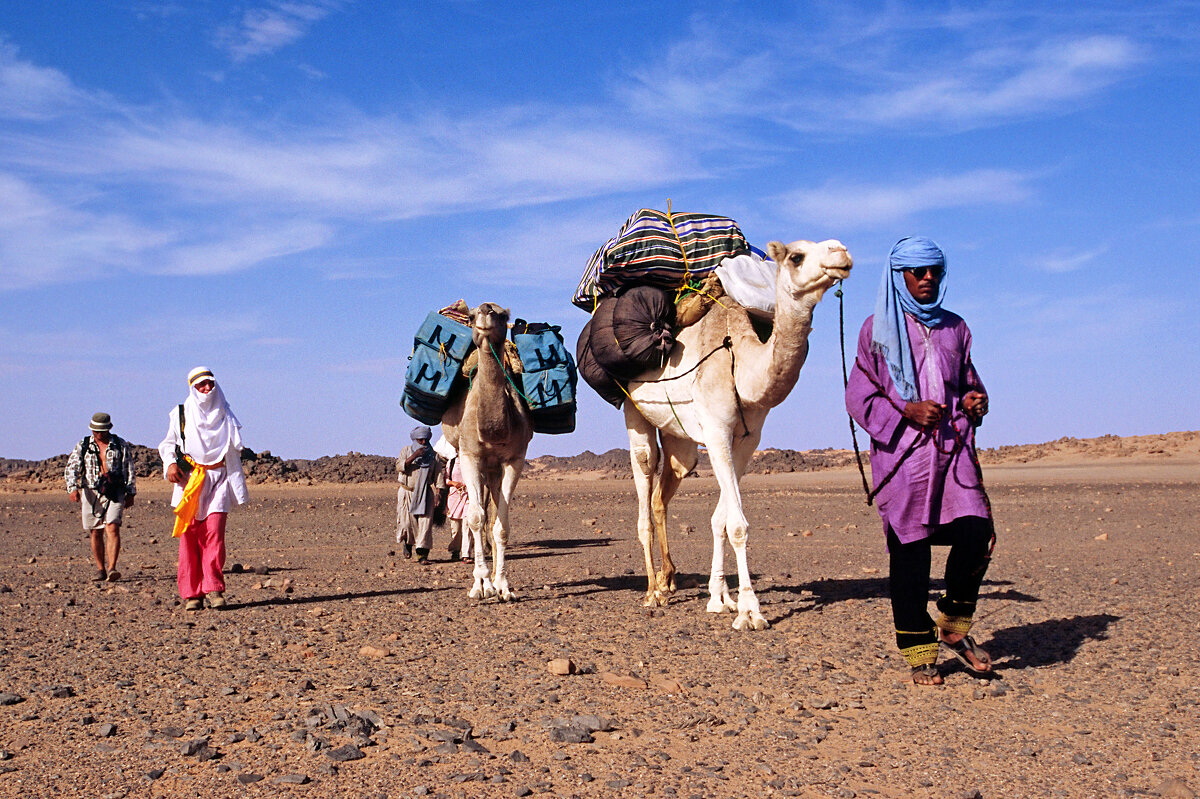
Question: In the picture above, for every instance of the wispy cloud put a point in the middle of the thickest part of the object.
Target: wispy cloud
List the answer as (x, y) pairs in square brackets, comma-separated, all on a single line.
[(874, 205), (262, 31), (1060, 261), (33, 93), (141, 189), (856, 71), (1001, 83)]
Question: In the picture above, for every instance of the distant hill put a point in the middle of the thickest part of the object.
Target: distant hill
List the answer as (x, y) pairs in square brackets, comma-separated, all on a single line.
[(355, 467)]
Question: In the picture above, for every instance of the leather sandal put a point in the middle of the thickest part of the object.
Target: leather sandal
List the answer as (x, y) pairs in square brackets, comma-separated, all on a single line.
[(927, 674), (964, 649)]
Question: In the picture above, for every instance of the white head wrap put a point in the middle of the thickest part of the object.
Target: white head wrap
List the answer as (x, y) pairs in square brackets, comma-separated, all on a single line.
[(210, 429)]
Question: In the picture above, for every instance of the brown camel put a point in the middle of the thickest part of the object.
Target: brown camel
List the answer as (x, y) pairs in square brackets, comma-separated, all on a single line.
[(720, 399), (489, 426)]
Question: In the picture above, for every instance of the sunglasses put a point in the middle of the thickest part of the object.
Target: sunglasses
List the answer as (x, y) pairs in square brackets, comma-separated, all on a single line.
[(919, 272)]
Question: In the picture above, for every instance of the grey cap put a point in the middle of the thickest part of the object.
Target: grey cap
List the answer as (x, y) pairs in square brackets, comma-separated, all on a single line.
[(421, 433), (101, 422)]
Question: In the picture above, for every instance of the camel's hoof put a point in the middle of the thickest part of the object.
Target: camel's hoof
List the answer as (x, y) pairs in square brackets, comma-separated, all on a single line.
[(655, 600), (748, 621), (504, 596), (665, 585), (715, 605), (475, 593)]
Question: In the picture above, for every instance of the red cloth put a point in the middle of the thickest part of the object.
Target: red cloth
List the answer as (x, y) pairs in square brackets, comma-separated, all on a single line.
[(202, 556)]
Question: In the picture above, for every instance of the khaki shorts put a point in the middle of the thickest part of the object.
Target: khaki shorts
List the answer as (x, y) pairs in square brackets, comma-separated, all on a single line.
[(99, 511)]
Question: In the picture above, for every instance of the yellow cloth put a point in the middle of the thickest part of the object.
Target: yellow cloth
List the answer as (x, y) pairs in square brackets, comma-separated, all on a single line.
[(189, 503)]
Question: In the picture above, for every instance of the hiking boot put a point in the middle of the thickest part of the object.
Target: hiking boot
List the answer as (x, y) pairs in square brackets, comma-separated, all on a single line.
[(217, 600), (100, 576), (195, 603), (113, 576)]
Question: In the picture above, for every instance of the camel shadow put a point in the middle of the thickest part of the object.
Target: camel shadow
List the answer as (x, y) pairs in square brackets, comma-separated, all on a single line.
[(567, 543), (1049, 642), (596, 585)]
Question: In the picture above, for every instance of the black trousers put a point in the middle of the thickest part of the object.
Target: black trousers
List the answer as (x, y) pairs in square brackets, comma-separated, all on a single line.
[(971, 539)]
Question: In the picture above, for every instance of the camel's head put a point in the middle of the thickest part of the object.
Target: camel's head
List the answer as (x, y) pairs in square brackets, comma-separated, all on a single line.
[(807, 266), (489, 322)]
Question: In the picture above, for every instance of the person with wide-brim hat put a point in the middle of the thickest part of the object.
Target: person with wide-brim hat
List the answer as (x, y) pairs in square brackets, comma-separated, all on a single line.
[(101, 477)]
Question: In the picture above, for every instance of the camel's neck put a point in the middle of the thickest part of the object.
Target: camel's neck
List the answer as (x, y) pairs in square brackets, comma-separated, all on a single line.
[(767, 372), (494, 410)]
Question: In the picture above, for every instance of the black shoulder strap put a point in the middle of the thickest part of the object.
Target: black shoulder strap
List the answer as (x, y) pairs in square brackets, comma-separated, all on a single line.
[(181, 424), (83, 446)]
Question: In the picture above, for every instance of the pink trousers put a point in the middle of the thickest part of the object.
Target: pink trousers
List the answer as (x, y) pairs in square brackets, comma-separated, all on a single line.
[(202, 557)]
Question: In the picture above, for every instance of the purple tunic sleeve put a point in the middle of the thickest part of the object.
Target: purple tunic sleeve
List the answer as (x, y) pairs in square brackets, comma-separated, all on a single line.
[(878, 413)]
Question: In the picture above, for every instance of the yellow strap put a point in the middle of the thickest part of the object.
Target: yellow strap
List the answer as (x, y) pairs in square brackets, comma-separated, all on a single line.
[(189, 503), (687, 268)]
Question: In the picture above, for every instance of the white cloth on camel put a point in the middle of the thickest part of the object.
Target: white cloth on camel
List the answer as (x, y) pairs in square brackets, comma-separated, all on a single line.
[(750, 281)]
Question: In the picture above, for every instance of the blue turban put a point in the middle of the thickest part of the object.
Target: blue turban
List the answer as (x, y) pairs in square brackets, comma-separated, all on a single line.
[(889, 333)]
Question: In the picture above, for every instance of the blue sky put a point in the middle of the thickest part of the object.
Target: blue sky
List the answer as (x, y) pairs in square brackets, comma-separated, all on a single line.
[(282, 190)]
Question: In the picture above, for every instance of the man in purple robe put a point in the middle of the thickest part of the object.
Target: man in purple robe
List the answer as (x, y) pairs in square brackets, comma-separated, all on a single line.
[(916, 393)]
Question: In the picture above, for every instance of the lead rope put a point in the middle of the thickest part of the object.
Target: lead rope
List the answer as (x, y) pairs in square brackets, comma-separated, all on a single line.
[(845, 383)]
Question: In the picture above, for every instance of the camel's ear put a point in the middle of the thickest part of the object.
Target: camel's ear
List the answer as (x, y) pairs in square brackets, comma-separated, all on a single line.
[(777, 251)]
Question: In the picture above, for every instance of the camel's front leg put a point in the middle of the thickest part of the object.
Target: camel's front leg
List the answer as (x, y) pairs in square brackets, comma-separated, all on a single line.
[(643, 457), (512, 473), (475, 518), (737, 529)]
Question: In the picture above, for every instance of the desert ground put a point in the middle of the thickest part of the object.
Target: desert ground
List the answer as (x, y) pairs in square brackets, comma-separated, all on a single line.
[(342, 669)]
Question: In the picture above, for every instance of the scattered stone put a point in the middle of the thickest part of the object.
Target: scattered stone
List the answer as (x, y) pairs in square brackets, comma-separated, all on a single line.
[(246, 778), (171, 732), (345, 753), (107, 730), (522, 791), (62, 691), (561, 667), (1102, 537), (155, 773), (666, 685), (622, 680), (592, 723), (11, 699), (374, 652), (1175, 788), (570, 734), (193, 747), (517, 756)]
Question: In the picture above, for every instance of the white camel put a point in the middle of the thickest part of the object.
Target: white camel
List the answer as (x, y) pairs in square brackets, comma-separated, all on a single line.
[(716, 389), (489, 426)]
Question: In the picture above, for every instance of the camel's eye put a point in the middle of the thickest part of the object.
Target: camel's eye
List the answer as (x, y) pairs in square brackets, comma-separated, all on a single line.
[(797, 258)]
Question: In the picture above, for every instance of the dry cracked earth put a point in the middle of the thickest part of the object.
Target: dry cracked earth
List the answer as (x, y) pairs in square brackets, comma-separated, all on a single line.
[(342, 669)]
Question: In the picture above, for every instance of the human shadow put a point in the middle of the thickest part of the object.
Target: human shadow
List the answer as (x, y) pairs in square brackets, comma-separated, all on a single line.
[(1048, 642), (831, 591), (288, 599)]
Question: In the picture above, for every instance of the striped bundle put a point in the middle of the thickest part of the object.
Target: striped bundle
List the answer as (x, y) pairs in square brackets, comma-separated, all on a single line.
[(659, 249)]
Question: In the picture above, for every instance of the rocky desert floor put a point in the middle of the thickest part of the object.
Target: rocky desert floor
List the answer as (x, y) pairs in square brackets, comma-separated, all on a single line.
[(344, 670)]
